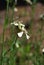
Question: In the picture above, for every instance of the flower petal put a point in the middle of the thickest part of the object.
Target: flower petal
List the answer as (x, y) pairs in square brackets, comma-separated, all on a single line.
[(21, 23), (16, 24), (27, 36), (43, 50), (20, 34)]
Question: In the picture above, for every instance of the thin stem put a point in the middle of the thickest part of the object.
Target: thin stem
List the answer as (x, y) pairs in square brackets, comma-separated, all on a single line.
[(7, 7), (3, 34), (2, 48)]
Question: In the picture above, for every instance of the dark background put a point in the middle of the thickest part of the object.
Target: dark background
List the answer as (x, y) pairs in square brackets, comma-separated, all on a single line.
[(3, 3)]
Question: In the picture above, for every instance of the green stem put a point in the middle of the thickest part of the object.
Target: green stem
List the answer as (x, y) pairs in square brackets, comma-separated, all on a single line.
[(7, 7), (3, 35), (2, 48), (11, 19)]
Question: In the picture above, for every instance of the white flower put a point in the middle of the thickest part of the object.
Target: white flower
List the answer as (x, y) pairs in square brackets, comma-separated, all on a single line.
[(20, 34), (43, 50), (15, 9), (22, 28), (17, 23), (21, 24)]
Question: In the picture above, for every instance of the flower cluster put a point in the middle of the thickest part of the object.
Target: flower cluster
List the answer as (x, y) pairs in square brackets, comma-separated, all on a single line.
[(22, 28)]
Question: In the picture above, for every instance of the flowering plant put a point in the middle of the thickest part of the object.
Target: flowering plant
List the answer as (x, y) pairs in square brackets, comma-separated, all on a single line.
[(22, 28)]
